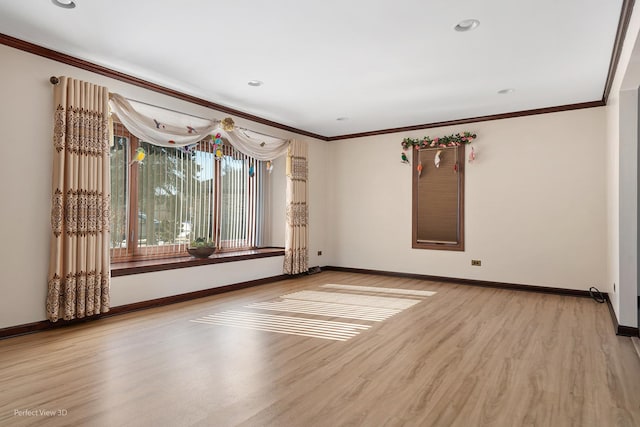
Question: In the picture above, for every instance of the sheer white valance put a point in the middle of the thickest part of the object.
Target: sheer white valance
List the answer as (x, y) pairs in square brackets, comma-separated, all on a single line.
[(168, 128)]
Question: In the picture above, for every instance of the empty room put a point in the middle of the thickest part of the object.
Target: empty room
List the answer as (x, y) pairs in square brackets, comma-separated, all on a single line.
[(320, 213)]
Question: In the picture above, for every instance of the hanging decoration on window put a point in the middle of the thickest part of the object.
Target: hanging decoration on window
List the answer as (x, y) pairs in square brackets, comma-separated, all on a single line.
[(227, 124), (442, 142), (188, 149), (269, 166), (436, 158), (216, 140), (252, 170), (138, 157)]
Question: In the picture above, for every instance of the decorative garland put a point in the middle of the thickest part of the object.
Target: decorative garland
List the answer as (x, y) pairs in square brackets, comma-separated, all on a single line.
[(443, 142)]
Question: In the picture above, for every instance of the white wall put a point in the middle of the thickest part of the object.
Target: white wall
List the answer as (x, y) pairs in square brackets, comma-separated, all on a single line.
[(628, 208), (621, 175), (25, 131), (148, 286), (534, 203)]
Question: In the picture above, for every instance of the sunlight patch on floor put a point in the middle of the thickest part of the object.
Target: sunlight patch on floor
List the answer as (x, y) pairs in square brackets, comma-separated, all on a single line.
[(321, 303)]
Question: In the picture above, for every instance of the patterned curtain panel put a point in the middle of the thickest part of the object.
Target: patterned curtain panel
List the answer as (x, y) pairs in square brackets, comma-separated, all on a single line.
[(296, 254), (79, 265)]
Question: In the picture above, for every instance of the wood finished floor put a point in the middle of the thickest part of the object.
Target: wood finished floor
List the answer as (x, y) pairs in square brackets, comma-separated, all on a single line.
[(466, 356)]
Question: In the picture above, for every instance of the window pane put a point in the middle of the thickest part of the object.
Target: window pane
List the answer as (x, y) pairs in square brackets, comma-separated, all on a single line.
[(175, 197), (242, 180), (119, 194), (438, 199)]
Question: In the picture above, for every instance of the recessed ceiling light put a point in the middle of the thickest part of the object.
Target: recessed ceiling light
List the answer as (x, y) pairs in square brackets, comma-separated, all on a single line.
[(66, 4), (255, 83), (467, 25), (506, 91), (342, 119)]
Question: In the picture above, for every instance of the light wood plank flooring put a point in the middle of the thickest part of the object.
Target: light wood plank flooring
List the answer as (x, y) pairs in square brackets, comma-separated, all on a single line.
[(465, 356)]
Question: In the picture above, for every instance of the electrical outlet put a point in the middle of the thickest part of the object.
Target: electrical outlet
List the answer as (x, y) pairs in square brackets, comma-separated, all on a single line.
[(319, 253), (476, 262)]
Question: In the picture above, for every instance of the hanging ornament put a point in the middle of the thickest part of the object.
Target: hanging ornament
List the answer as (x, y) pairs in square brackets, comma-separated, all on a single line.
[(269, 166), (455, 167), (472, 155), (436, 159), (252, 171), (419, 168), (188, 149), (404, 158), (216, 140), (227, 124), (138, 157)]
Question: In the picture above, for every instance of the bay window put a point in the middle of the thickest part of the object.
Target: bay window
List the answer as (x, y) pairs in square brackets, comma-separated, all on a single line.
[(178, 194)]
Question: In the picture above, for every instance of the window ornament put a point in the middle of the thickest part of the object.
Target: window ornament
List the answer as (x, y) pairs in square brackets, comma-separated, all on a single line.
[(216, 140), (436, 158), (227, 124), (139, 157)]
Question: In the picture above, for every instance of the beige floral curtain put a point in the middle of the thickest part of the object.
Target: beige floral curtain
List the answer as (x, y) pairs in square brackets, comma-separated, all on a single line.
[(296, 253), (78, 281)]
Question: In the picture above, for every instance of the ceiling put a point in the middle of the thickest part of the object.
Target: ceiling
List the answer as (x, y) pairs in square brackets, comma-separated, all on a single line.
[(379, 64)]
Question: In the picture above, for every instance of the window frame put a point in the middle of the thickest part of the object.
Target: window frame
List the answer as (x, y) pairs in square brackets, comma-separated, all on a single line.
[(443, 246), (134, 252)]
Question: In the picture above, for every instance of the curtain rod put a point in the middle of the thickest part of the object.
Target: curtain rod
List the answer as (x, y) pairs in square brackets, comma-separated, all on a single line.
[(55, 80)]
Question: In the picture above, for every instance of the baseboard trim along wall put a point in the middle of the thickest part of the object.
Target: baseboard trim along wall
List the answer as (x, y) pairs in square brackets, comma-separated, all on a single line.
[(128, 308), (627, 331), (473, 282), (158, 302)]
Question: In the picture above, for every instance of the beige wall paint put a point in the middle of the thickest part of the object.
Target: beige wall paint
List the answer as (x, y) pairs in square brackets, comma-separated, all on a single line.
[(25, 131), (534, 203), (535, 210)]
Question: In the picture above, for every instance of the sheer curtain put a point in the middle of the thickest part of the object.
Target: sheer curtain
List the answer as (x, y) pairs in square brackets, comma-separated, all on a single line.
[(78, 280), (296, 253), (167, 128)]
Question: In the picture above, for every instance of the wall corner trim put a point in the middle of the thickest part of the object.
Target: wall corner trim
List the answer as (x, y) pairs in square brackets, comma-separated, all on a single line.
[(625, 331)]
